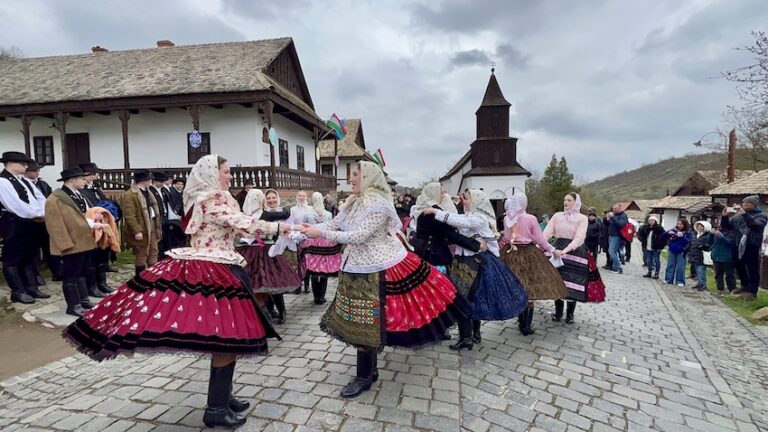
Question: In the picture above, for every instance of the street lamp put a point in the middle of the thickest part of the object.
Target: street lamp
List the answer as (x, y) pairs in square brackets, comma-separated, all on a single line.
[(722, 135), (729, 146)]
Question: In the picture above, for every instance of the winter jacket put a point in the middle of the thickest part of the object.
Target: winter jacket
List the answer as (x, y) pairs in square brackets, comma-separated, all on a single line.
[(677, 244), (749, 224), (697, 246), (68, 229), (722, 248), (594, 229), (433, 239), (137, 220), (653, 234), (604, 234), (616, 223)]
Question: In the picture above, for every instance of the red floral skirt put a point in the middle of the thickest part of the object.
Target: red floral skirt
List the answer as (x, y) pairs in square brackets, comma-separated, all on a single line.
[(268, 275), (186, 305), (409, 304), (595, 285)]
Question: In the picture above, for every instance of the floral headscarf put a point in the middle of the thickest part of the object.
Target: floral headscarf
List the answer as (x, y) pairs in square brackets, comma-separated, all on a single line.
[(202, 181), (373, 182), (575, 210), (254, 203), (318, 203), (515, 206), (481, 204)]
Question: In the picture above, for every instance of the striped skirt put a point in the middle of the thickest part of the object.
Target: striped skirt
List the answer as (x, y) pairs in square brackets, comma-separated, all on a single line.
[(575, 271)]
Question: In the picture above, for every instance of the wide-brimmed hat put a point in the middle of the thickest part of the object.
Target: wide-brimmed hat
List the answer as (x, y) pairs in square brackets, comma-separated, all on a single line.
[(179, 179), (248, 181), (71, 173), (89, 168), (142, 175), (14, 156), (33, 166), (159, 176)]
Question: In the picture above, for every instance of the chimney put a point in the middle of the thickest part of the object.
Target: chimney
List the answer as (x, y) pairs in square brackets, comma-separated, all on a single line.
[(165, 44), (98, 49)]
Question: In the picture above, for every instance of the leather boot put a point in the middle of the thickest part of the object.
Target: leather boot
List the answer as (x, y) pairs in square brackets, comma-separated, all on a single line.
[(569, 312), (465, 336), (271, 307), (218, 412), (647, 275), (323, 289), (32, 286), (656, 275), (102, 282), (364, 379), (375, 372), (93, 289), (82, 289), (140, 269), (306, 283), (528, 319), (558, 310), (235, 404), (15, 283), (280, 305), (40, 281), (72, 297), (476, 338), (316, 288)]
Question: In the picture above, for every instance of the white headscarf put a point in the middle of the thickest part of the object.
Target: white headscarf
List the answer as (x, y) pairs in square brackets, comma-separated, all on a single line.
[(277, 207), (575, 210), (318, 203), (372, 183), (481, 204), (515, 206), (202, 181), (448, 205), (306, 203), (254, 203), (430, 196)]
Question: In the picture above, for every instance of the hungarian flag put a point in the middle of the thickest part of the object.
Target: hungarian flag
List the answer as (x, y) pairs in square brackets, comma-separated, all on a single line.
[(337, 125), (379, 157)]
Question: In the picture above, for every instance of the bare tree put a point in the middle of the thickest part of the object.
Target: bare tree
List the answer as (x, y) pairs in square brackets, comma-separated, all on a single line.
[(751, 126), (753, 79), (10, 53)]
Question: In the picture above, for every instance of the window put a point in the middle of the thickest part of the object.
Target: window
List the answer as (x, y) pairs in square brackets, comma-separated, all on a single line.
[(349, 171), (43, 150), (299, 157), (283, 152), (193, 154), (326, 169)]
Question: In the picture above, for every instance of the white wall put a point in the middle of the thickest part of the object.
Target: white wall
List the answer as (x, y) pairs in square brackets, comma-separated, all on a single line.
[(158, 140), (452, 185), (669, 218), (497, 187)]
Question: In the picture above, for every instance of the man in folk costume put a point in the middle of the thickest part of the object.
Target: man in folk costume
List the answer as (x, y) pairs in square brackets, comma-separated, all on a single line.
[(101, 257), (142, 221), (42, 242), (177, 197), (173, 235), (21, 205), (158, 181), (247, 186), (72, 238)]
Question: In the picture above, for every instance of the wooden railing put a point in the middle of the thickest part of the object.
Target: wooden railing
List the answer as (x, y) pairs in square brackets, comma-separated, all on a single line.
[(284, 178)]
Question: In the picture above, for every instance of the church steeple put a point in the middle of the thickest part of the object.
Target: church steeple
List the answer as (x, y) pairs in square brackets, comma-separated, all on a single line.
[(493, 114)]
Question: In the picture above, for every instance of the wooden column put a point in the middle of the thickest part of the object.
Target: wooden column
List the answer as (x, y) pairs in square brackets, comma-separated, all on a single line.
[(268, 107), (124, 116), (60, 121), (316, 139), (25, 122), (194, 111)]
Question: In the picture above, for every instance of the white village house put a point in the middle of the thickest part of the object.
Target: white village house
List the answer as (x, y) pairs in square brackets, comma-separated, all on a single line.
[(491, 162), (134, 109)]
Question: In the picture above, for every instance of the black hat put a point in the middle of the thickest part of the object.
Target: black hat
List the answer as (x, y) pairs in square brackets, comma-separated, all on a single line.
[(33, 166), (89, 168), (141, 175), (159, 176), (179, 179), (71, 173), (248, 181), (14, 156)]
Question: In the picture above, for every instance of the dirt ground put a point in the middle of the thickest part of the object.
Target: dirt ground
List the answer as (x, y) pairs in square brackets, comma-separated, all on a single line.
[(25, 346)]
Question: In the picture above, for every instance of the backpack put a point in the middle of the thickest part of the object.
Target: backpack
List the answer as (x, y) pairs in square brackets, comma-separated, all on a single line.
[(628, 232)]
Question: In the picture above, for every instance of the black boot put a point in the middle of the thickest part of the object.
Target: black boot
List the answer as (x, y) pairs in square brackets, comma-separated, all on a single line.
[(82, 289), (235, 404), (569, 312), (476, 338), (306, 284), (656, 275), (102, 282), (280, 305), (558, 311), (323, 289), (316, 289), (16, 284), (140, 269), (72, 297), (93, 289), (364, 379), (218, 412), (527, 320), (32, 286), (40, 281), (271, 307), (647, 275), (465, 336), (375, 372)]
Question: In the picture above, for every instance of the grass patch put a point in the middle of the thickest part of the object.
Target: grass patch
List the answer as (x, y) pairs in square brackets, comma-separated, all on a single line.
[(125, 257)]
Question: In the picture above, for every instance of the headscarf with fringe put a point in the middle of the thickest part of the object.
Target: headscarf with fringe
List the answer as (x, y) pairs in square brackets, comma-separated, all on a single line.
[(254, 203)]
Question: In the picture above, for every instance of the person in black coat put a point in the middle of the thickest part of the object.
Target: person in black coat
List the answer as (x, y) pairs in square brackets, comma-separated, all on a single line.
[(594, 230), (41, 239), (240, 197), (652, 238), (177, 196), (604, 239)]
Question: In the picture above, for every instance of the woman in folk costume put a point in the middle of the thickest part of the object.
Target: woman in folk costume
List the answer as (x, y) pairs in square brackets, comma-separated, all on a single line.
[(273, 212), (579, 271), (386, 295), (301, 213), (522, 235), (268, 275), (493, 291), (199, 299), (322, 257)]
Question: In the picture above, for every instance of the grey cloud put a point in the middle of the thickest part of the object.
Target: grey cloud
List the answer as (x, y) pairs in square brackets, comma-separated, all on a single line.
[(511, 56), (471, 58)]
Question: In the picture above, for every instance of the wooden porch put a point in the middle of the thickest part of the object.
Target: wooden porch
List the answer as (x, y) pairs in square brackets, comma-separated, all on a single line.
[(264, 177)]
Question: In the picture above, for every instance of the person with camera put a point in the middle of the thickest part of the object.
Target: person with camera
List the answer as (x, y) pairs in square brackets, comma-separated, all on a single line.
[(750, 222), (678, 239)]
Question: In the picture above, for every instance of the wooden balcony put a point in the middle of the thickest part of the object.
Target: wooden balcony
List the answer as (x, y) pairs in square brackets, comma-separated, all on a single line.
[(263, 178)]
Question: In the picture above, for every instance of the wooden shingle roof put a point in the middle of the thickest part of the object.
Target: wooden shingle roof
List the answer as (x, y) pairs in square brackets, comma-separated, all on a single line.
[(351, 146), (755, 184)]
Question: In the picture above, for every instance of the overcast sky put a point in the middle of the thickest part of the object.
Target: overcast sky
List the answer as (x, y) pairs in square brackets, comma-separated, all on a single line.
[(607, 84)]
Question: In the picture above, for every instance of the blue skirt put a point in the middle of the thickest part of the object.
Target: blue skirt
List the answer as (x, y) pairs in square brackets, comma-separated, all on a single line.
[(494, 293)]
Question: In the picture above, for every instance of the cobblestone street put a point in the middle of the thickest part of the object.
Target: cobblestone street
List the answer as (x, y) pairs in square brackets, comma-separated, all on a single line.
[(653, 357)]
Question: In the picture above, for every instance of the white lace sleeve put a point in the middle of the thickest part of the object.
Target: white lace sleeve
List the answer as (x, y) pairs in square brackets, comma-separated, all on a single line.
[(471, 220), (373, 221)]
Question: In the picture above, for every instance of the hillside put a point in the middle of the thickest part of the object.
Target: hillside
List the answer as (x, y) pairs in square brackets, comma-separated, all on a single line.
[(654, 180)]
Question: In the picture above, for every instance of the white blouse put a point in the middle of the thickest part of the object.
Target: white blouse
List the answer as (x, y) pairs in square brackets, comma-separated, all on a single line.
[(474, 225)]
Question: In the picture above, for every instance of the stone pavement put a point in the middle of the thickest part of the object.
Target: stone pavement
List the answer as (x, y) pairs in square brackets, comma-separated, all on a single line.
[(652, 357)]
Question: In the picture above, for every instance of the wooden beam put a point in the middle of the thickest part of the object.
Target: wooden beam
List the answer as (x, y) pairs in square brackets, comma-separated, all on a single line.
[(247, 104), (2, 118), (160, 110), (48, 115), (60, 122), (133, 111), (194, 112), (25, 122), (217, 106), (105, 113), (124, 115), (78, 114)]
